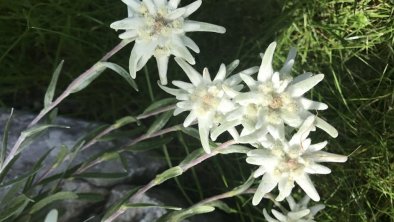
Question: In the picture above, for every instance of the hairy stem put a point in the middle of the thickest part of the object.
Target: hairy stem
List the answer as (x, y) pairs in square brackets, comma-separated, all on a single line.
[(184, 168), (65, 94)]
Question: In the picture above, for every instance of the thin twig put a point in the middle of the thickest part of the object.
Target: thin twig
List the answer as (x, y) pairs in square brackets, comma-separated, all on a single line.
[(65, 94), (153, 183)]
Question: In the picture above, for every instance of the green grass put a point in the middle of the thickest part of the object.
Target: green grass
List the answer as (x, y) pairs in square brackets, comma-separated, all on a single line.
[(351, 42)]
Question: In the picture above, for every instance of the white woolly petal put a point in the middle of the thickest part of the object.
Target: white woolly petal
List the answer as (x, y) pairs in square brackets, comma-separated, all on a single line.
[(191, 8), (188, 42), (321, 156), (316, 208), (299, 88), (267, 184), (130, 34), (296, 215), (180, 50), (278, 215), (151, 6), (320, 123), (193, 75), (173, 3), (277, 131), (303, 131), (268, 217), (246, 98), (230, 91), (221, 73), (177, 13), (203, 129), (250, 82), (194, 26), (317, 146), (206, 76), (225, 106), (175, 92), (127, 23), (184, 104), (159, 3), (266, 69), (315, 168), (302, 77), (286, 69), (183, 85), (291, 119), (162, 65), (291, 202), (285, 187), (312, 105), (234, 133), (143, 60), (178, 110), (189, 119), (306, 184), (259, 172), (133, 4), (232, 66)]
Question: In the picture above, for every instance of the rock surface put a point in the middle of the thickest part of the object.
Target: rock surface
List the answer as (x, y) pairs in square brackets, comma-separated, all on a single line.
[(141, 167)]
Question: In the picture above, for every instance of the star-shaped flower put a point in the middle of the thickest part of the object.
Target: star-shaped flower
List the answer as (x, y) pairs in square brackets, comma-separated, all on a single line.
[(158, 28), (208, 100), (284, 162), (275, 99), (299, 212)]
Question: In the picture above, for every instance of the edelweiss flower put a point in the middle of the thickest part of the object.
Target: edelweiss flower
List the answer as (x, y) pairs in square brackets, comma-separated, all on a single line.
[(284, 162), (208, 100), (274, 100), (158, 28), (299, 212)]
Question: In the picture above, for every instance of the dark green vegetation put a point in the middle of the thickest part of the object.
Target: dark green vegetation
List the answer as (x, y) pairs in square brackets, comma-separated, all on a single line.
[(351, 42)]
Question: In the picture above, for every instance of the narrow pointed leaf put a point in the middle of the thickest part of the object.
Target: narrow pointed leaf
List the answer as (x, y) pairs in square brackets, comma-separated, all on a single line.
[(52, 85)]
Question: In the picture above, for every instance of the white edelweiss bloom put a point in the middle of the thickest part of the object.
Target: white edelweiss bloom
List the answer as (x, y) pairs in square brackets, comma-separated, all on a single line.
[(158, 28), (207, 100), (276, 99), (299, 212), (284, 162)]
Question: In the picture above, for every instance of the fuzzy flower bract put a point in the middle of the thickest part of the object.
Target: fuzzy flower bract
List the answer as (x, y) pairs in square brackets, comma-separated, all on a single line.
[(208, 100), (299, 212), (284, 163), (159, 29)]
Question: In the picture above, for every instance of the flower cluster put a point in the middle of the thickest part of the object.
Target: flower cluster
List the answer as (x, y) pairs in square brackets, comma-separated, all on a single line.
[(284, 162), (207, 100), (299, 212), (274, 102), (158, 28)]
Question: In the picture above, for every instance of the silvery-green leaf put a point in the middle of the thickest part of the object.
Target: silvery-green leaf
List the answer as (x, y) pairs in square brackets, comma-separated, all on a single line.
[(52, 85), (160, 122), (159, 104), (52, 198), (122, 72), (82, 83), (3, 150), (168, 174), (14, 207), (124, 121), (235, 149)]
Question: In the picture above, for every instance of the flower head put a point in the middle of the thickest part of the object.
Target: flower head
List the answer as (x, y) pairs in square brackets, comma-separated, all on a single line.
[(158, 28), (276, 99), (208, 100), (284, 162), (299, 212)]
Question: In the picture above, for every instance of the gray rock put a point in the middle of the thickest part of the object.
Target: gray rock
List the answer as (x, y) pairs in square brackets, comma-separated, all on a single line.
[(141, 166), (72, 209)]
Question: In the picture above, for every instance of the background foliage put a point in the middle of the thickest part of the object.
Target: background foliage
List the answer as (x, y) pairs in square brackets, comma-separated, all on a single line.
[(351, 42)]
